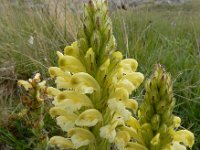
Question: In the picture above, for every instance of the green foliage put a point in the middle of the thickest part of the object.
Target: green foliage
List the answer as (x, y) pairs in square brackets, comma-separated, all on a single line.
[(29, 37)]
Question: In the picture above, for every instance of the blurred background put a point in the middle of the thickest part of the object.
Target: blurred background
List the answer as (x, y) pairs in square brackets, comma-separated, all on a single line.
[(151, 31)]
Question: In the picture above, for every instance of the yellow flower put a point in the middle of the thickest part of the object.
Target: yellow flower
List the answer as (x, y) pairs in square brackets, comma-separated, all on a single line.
[(58, 111), (129, 65), (177, 146), (63, 143), (109, 132), (131, 81), (66, 122), (85, 83), (70, 63), (89, 118), (53, 91), (25, 84), (72, 50), (119, 108), (177, 121), (81, 137), (72, 100), (135, 146), (184, 136), (55, 71), (134, 123), (63, 83), (37, 77), (121, 140)]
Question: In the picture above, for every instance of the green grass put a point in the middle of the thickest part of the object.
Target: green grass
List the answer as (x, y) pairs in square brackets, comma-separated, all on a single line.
[(169, 35), (17, 24)]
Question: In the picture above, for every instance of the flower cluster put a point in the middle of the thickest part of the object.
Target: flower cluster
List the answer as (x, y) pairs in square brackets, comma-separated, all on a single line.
[(158, 126), (32, 111), (93, 84), (35, 89), (91, 100)]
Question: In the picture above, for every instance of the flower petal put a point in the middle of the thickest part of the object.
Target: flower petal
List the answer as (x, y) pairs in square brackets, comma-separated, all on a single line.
[(89, 118), (119, 108), (58, 111), (108, 132), (178, 146), (25, 84), (129, 65), (135, 146), (72, 50), (81, 137), (53, 91), (184, 136), (177, 121), (66, 122), (121, 140), (134, 78), (72, 100), (70, 63), (55, 71), (134, 123), (61, 142)]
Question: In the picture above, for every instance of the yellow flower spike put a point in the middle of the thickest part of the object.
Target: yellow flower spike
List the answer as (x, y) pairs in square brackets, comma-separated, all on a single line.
[(61, 142), (131, 81), (184, 136), (177, 121), (156, 139), (177, 146), (121, 140), (135, 146), (81, 137), (53, 91), (129, 65), (70, 63), (108, 131), (89, 118), (66, 122), (72, 100), (119, 108), (25, 84), (58, 111), (134, 123), (72, 50)]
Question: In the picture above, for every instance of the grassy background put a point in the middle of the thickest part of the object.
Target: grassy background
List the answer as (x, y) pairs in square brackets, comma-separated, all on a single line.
[(166, 34)]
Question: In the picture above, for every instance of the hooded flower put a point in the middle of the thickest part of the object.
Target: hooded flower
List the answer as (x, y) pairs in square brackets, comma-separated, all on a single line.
[(81, 137)]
